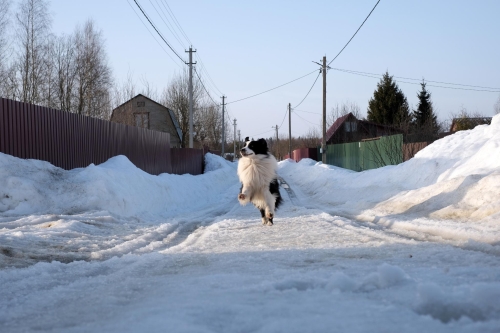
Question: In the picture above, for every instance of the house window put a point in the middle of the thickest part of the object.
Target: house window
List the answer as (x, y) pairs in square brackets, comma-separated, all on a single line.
[(141, 104), (141, 120), (351, 126)]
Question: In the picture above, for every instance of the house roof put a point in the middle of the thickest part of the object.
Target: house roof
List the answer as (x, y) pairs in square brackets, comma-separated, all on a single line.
[(336, 125), (170, 112)]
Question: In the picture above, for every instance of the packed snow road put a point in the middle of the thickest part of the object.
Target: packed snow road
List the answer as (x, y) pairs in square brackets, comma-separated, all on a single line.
[(109, 248)]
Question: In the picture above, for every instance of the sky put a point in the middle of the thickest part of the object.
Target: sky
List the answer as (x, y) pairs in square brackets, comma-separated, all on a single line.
[(249, 47), (110, 248)]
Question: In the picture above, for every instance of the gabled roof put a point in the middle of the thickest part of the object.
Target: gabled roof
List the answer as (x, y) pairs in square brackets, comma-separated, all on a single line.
[(170, 112), (336, 125)]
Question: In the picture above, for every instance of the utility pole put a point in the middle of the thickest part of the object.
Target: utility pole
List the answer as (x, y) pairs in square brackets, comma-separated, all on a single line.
[(323, 143), (239, 139), (289, 130), (190, 63), (277, 142), (223, 129), (234, 141)]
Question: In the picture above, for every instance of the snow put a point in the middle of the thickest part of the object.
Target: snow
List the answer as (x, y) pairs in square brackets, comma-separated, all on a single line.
[(109, 248)]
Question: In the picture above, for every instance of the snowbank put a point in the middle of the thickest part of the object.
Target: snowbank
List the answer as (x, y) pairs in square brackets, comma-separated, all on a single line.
[(116, 186)]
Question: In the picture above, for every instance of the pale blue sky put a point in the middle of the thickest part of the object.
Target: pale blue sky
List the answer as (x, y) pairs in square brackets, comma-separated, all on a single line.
[(251, 46)]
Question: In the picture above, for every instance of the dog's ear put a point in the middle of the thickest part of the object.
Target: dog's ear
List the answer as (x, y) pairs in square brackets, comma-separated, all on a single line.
[(247, 139), (263, 142)]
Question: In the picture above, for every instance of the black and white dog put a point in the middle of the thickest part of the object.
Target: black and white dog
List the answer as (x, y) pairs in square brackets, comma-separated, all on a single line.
[(259, 183)]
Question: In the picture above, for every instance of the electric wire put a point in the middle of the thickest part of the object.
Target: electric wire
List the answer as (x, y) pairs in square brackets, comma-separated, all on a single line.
[(305, 119), (202, 68), (171, 13), (284, 84), (152, 24), (254, 135), (199, 78), (306, 111), (166, 24), (308, 91), (168, 54), (283, 118), (355, 33), (407, 78), (378, 76), (198, 57)]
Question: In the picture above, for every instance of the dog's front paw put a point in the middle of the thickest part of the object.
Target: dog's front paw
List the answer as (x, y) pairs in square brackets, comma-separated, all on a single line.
[(269, 215), (241, 196)]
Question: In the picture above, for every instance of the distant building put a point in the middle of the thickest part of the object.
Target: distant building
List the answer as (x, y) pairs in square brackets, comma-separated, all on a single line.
[(460, 124), (143, 112), (348, 129)]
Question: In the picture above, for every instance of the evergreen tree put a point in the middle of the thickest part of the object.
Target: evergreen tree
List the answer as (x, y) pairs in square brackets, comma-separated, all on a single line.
[(388, 105), (424, 118)]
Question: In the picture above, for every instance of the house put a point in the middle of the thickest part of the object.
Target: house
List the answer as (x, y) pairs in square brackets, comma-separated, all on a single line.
[(350, 129), (463, 123), (142, 111)]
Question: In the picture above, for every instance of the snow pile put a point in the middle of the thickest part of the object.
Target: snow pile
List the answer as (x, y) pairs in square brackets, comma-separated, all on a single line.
[(116, 186), (455, 179)]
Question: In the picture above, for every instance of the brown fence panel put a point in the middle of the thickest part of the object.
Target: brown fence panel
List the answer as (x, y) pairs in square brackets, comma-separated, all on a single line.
[(70, 141), (301, 153), (410, 149), (186, 160)]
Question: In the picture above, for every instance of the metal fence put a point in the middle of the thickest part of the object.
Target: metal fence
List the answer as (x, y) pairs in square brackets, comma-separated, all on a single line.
[(365, 155), (69, 141)]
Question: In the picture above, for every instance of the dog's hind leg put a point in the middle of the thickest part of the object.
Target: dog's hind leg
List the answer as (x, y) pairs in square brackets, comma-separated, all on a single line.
[(264, 218), (270, 205)]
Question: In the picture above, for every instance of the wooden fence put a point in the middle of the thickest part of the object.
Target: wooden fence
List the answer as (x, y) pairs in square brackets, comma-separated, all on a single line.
[(68, 140)]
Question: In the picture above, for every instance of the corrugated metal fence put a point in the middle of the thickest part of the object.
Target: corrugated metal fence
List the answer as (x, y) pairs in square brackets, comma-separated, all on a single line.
[(359, 156), (70, 141)]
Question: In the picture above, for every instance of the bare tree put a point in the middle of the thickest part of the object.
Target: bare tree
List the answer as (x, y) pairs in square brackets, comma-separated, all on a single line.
[(176, 97), (466, 120), (124, 92), (341, 110), (33, 25), (209, 126), (311, 139), (4, 20), (93, 75), (65, 68)]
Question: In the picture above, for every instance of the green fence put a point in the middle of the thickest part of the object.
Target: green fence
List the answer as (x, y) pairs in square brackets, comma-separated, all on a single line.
[(359, 156)]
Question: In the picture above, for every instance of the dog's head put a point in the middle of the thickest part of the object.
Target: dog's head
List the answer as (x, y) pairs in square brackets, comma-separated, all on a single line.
[(253, 148)]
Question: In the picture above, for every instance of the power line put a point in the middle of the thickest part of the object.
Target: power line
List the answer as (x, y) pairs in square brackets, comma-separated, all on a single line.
[(355, 33), (378, 76), (168, 25), (157, 30), (306, 111), (284, 84), (305, 120), (204, 85), (203, 68), (407, 78), (171, 13), (153, 35), (308, 91), (284, 118), (254, 135)]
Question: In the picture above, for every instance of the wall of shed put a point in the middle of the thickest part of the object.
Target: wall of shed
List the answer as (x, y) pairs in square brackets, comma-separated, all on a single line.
[(159, 118)]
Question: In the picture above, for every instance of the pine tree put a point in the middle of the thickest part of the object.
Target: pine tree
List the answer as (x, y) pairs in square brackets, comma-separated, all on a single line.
[(424, 118), (388, 105)]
